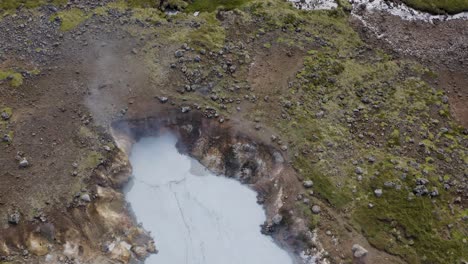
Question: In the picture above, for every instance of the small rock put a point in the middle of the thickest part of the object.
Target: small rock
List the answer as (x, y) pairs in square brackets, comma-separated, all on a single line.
[(163, 99), (14, 218), (359, 251), (179, 53), (308, 184), (5, 116), (422, 181), (320, 114), (85, 197), (316, 209), (378, 192), (23, 163), (6, 138), (185, 109), (107, 148), (445, 99), (359, 170), (232, 69), (389, 184), (277, 219)]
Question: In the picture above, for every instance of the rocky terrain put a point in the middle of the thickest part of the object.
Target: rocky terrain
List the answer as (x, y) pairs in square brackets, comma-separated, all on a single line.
[(367, 113)]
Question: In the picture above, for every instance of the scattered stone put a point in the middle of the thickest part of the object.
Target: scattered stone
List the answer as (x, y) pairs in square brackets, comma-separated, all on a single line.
[(308, 184), (359, 170), (284, 148), (23, 163), (277, 219), (445, 99), (420, 190), (359, 251), (389, 184), (378, 192), (422, 181), (163, 99), (5, 116), (6, 138), (107, 148), (232, 69), (370, 205), (185, 109), (85, 197), (371, 159), (14, 218), (135, 51), (316, 209), (179, 53), (320, 114), (197, 58)]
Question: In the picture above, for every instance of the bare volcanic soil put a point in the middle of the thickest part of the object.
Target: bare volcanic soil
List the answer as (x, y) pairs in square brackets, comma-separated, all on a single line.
[(357, 142)]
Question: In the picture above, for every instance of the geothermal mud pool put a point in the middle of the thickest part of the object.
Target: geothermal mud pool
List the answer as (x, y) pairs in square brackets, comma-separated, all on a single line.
[(194, 215)]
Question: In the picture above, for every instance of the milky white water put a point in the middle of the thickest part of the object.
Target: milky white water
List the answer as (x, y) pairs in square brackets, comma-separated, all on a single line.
[(194, 216)]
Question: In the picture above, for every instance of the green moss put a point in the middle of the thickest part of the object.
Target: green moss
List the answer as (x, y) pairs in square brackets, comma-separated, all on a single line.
[(394, 139), (210, 35), (323, 186), (142, 3), (15, 78), (439, 6), (70, 18), (212, 5), (14, 4), (91, 161), (119, 5), (152, 15), (409, 229)]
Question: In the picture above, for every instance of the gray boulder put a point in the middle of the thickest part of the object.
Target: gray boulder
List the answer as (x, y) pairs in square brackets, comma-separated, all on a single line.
[(308, 184), (23, 163), (14, 218), (316, 209), (378, 192), (179, 53), (359, 251)]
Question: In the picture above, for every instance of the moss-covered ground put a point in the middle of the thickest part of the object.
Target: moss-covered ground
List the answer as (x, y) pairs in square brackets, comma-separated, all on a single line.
[(14, 78), (439, 6)]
